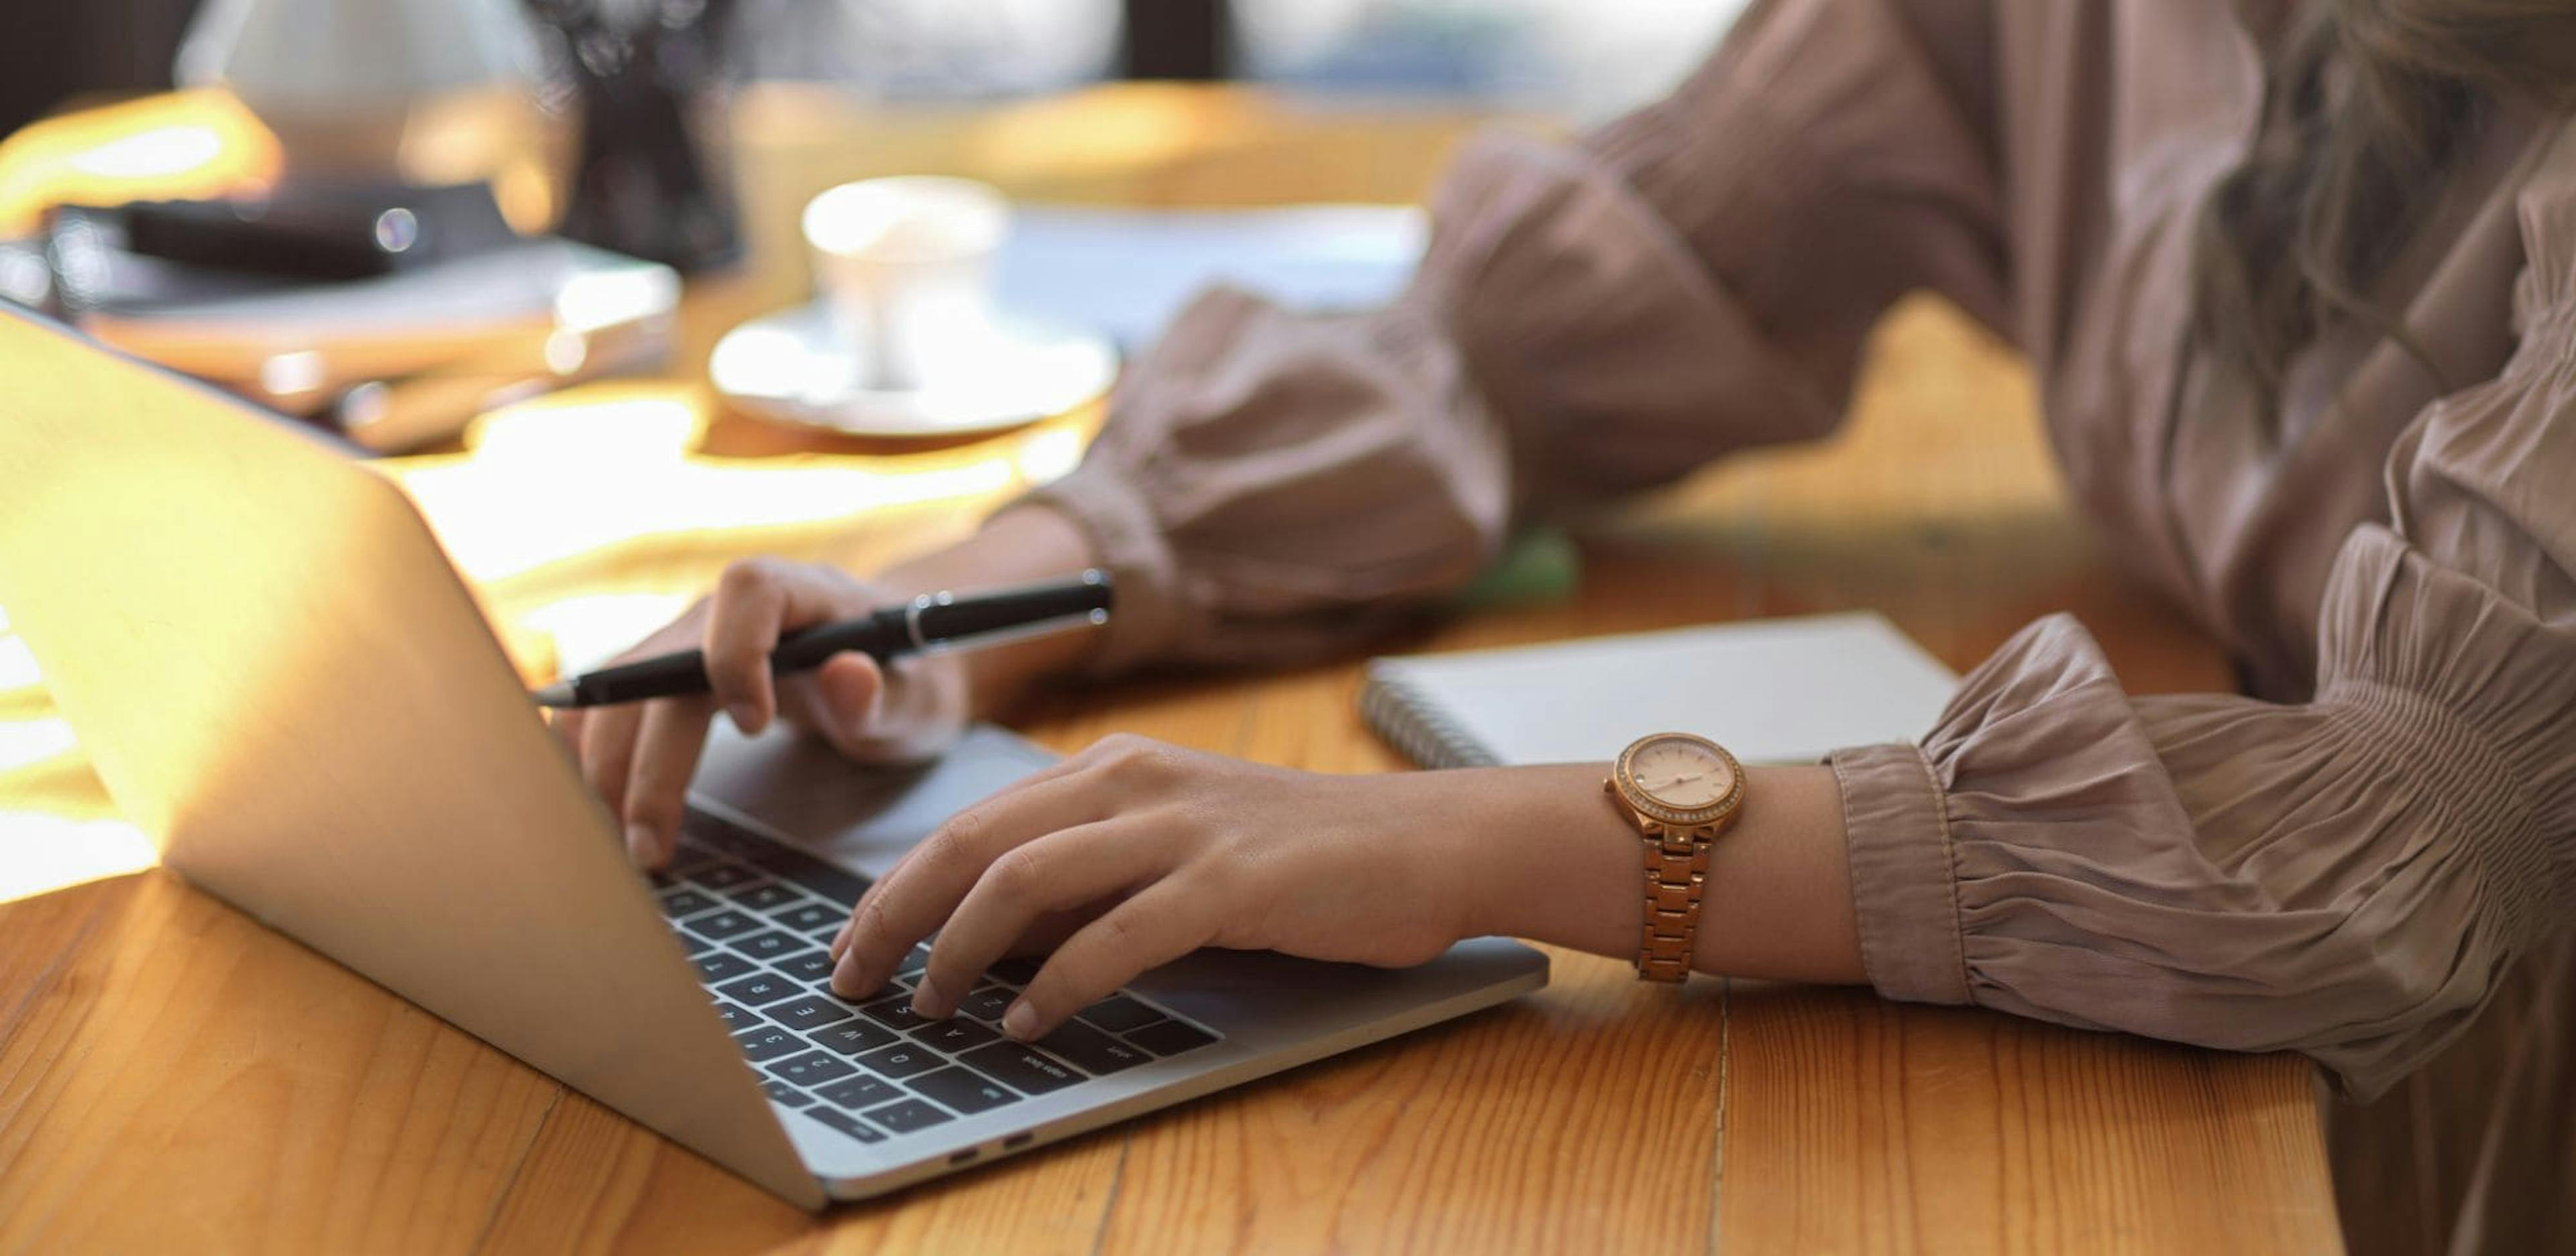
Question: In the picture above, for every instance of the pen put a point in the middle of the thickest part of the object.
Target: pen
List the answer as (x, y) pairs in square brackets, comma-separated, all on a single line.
[(928, 624)]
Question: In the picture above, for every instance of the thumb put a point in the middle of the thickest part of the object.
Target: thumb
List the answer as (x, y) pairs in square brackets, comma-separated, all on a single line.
[(852, 687)]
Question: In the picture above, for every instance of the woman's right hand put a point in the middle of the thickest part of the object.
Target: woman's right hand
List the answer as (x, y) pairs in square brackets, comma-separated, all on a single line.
[(639, 757)]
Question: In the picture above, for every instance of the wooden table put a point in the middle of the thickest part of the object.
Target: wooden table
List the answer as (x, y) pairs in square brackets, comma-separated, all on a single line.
[(173, 1077)]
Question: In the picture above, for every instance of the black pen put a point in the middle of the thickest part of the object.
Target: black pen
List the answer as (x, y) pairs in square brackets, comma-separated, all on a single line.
[(927, 624)]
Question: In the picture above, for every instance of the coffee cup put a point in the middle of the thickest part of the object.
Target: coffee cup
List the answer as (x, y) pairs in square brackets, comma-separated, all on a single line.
[(905, 266)]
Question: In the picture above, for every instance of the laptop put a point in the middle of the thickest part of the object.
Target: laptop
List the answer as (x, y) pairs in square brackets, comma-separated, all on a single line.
[(278, 675)]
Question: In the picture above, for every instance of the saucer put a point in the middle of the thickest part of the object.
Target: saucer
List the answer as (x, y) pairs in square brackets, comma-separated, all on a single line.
[(791, 367)]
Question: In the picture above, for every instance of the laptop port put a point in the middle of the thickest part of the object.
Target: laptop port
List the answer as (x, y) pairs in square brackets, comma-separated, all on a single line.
[(1021, 1139), (966, 1155)]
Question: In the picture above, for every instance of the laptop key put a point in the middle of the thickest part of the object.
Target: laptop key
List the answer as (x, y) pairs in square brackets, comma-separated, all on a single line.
[(781, 1092), (907, 1115), (723, 966), (895, 1013), (859, 1092), (810, 917), (813, 1068), (1118, 1013), (1171, 1037), (1020, 1068), (686, 859), (988, 1004), (963, 1090), (903, 1059), (809, 1012), (694, 944), (723, 876), (812, 967), (1018, 970), (1091, 1050), (680, 903), (913, 962), (851, 1037), (767, 1044), (768, 945), (737, 1017), (766, 896), (953, 1036), (759, 989), (838, 884), (721, 924), (847, 1124)]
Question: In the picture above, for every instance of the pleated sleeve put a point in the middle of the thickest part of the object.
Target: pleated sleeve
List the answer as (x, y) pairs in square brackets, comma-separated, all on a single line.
[(2346, 877), (1591, 318)]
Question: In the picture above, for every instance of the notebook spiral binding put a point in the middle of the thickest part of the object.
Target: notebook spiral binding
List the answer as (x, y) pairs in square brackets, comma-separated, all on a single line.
[(1416, 727)]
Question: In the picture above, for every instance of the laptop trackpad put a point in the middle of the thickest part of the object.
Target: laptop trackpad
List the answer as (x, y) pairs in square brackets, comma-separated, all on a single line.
[(863, 818)]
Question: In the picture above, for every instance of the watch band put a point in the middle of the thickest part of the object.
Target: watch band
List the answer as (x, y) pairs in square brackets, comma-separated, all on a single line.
[(1676, 878)]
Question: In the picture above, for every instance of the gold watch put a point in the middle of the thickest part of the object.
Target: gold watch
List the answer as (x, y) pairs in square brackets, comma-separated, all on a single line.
[(1681, 792)]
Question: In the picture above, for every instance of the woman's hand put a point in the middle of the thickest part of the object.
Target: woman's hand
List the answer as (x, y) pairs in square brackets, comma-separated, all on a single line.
[(639, 757), (1160, 851)]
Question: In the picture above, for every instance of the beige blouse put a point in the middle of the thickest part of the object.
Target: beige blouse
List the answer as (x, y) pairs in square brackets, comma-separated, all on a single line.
[(2345, 862)]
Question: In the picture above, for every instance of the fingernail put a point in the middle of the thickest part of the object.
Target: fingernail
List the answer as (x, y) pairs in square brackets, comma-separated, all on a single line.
[(639, 843), (845, 976), (743, 715), (926, 1000), (1021, 1021)]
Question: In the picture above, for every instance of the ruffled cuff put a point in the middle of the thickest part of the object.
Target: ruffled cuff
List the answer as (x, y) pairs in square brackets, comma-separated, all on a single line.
[(1145, 616), (1902, 878)]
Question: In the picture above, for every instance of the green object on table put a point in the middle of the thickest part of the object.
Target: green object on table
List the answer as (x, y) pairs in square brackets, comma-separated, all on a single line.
[(1539, 564)]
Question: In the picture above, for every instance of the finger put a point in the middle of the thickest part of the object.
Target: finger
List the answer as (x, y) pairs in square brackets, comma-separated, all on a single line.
[(920, 892), (755, 601), (1163, 923), (842, 700), (566, 723), (668, 742), (1054, 873), (1055, 771), (608, 751)]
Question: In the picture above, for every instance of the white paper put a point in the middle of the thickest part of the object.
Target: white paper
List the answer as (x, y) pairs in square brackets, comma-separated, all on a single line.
[(1770, 691)]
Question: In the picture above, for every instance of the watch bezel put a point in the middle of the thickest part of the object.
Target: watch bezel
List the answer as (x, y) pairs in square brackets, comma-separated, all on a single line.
[(1623, 775)]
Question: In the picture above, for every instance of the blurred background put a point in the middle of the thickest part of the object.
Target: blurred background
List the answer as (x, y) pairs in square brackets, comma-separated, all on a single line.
[(197, 181), (1584, 59)]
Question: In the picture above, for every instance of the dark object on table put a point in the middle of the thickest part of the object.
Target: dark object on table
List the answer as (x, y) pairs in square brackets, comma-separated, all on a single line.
[(324, 232), (392, 361), (646, 178)]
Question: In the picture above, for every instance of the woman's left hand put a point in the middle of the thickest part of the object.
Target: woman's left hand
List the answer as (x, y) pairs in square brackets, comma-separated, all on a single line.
[(1158, 851)]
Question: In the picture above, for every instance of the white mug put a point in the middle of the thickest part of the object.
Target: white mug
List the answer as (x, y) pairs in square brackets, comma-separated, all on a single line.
[(906, 264)]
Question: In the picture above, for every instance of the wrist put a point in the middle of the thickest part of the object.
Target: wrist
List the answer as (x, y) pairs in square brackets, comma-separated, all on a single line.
[(1023, 543), (1543, 856)]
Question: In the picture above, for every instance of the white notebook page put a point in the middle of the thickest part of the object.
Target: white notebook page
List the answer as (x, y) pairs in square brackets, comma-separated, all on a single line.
[(1771, 691)]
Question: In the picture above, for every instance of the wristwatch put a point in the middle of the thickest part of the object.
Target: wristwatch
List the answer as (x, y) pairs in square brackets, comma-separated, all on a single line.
[(1681, 792)]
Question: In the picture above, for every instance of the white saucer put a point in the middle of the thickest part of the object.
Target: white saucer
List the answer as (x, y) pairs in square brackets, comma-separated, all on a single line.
[(790, 366)]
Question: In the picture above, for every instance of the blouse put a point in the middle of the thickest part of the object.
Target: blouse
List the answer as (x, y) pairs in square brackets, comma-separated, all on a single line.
[(2345, 860)]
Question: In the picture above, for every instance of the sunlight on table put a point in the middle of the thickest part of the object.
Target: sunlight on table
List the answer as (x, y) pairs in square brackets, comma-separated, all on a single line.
[(76, 837), (173, 146), (608, 465)]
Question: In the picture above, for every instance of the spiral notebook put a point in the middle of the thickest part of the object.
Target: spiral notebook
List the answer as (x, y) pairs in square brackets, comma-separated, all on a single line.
[(1772, 691)]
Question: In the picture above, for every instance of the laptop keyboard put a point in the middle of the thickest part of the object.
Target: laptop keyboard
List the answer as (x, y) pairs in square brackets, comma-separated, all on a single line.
[(757, 915)]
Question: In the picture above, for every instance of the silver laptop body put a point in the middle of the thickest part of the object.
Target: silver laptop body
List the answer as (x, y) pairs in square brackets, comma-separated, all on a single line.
[(279, 677)]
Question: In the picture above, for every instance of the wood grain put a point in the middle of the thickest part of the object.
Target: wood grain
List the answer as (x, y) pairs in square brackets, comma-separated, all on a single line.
[(173, 1077)]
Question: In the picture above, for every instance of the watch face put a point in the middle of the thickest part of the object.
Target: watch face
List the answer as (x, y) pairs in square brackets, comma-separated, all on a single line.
[(1685, 778)]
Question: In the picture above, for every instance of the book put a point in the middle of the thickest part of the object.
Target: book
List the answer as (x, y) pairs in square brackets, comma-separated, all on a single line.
[(1771, 691)]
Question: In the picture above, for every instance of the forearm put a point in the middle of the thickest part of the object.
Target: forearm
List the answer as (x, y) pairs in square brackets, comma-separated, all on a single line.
[(1023, 544), (1552, 860)]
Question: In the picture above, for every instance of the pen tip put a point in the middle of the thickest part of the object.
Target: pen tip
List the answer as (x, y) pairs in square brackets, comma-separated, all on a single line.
[(555, 695)]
